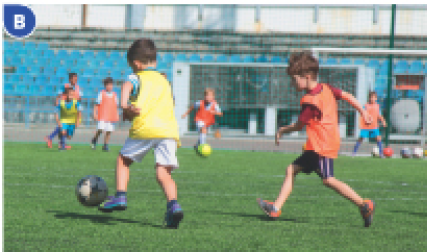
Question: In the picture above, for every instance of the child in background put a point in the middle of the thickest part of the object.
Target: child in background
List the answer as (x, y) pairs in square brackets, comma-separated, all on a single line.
[(68, 116), (371, 130), (207, 109), (320, 116), (106, 113), (154, 126)]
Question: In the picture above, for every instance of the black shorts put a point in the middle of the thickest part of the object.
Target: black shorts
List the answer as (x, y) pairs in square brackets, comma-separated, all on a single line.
[(310, 162)]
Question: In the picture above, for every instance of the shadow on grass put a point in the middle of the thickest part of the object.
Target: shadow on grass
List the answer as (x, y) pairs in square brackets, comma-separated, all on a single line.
[(259, 216), (99, 218), (411, 213)]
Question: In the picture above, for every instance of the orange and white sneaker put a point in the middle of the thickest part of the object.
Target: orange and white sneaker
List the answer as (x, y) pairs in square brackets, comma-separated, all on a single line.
[(268, 208), (48, 142), (67, 147), (367, 211)]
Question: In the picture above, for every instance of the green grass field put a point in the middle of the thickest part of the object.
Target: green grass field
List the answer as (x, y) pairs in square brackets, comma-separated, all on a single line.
[(218, 195)]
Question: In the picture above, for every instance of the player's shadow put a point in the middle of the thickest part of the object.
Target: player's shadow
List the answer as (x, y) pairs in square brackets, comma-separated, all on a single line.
[(411, 213), (259, 216), (99, 218)]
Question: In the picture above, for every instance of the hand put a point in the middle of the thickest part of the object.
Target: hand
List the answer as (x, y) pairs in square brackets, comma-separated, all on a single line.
[(130, 112), (278, 136), (366, 117), (77, 124), (384, 124)]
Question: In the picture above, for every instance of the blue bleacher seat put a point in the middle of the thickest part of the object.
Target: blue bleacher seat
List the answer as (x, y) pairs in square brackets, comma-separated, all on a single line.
[(49, 54), (159, 57), (381, 82), (7, 45), (54, 80), (15, 78), (24, 52), (88, 72), (116, 74), (221, 58), (345, 61), (401, 67), (29, 62), (108, 64), (384, 64), (62, 54), (194, 58), (359, 62), (43, 79), (122, 63), (17, 45), (6, 77), (383, 72), (208, 58), (162, 65), (114, 55), (235, 59), (43, 46), (83, 80), (50, 90), (36, 53), (181, 58), (95, 81), (68, 63), (16, 61), (8, 88), (27, 79), (61, 71), (276, 59), (262, 59), (49, 70), (55, 62), (21, 69), (89, 54), (21, 89), (374, 63), (103, 72), (75, 54), (425, 68), (416, 67), (248, 59), (30, 45), (167, 57), (35, 70), (102, 55), (42, 62), (331, 61), (128, 71)]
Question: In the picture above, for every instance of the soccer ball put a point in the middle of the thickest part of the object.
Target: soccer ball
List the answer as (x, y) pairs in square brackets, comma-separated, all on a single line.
[(375, 152), (91, 191), (388, 152), (418, 153), (205, 150), (405, 153)]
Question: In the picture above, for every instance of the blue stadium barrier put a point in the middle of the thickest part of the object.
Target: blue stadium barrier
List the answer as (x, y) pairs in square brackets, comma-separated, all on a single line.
[(345, 61), (194, 58), (43, 46), (208, 58), (401, 67), (89, 55), (181, 58), (331, 61), (17, 45), (221, 58), (262, 59), (30, 45), (416, 67), (359, 62), (235, 59), (167, 57), (248, 59), (62, 54), (276, 59)]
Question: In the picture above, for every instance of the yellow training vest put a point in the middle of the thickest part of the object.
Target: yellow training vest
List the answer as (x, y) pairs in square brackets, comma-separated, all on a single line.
[(156, 118), (68, 115)]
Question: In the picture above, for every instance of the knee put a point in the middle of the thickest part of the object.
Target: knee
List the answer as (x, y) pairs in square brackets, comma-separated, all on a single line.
[(328, 182), (378, 138), (290, 171)]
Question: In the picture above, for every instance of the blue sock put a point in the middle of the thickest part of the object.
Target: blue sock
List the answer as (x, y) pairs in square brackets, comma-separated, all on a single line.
[(120, 194), (171, 203), (54, 133), (62, 141), (356, 147), (380, 146)]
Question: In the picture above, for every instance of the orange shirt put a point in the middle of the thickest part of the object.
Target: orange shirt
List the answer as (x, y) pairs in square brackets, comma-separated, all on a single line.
[(323, 135), (204, 115), (107, 108), (374, 111)]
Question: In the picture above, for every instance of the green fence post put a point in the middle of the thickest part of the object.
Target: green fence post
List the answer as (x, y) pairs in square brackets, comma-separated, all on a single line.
[(390, 74)]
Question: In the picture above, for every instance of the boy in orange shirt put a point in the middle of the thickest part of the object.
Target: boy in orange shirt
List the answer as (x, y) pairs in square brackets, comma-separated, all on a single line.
[(207, 109), (320, 116), (371, 130), (105, 112)]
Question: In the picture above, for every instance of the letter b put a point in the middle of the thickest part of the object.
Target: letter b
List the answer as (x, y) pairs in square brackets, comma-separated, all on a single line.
[(19, 21)]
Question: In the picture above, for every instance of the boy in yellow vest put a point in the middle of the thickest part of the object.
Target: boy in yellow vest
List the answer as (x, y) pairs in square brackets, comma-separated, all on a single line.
[(68, 116), (154, 126)]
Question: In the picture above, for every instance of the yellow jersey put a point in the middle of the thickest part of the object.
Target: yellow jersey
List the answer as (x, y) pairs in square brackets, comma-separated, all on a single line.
[(154, 99), (68, 112)]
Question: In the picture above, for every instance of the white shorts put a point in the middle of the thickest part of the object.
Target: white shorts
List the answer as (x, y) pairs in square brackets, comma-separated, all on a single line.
[(164, 150), (106, 126), (200, 125)]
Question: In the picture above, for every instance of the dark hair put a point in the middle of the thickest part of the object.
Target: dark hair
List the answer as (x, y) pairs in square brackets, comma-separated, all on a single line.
[(371, 93), (71, 75), (143, 50), (68, 89), (303, 63), (107, 80)]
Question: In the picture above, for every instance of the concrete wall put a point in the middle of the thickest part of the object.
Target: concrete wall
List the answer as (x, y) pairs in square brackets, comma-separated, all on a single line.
[(298, 18)]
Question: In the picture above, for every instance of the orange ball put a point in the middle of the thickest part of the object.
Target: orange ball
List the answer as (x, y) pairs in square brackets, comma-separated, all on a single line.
[(388, 152)]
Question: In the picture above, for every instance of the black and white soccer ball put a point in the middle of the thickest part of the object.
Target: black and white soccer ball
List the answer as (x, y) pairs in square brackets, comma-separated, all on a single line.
[(91, 191), (405, 153)]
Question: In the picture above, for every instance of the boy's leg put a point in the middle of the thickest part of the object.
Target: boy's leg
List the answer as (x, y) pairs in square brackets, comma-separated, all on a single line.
[(380, 145), (357, 145), (100, 128), (327, 174), (201, 128), (48, 139), (62, 135), (108, 129)]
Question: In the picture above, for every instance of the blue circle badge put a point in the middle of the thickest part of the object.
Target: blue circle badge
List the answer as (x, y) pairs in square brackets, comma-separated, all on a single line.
[(19, 21)]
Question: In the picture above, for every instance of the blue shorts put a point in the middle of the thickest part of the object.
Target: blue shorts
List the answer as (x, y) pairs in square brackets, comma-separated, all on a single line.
[(366, 133), (69, 128)]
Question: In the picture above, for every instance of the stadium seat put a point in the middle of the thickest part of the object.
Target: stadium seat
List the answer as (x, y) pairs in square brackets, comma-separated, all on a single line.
[(235, 59), (108, 64), (24, 52), (27, 79), (83, 81), (35, 70), (69, 63), (401, 67), (128, 71), (15, 61), (221, 58), (21, 89), (381, 82), (75, 55), (374, 63), (37, 53), (116, 74), (103, 72), (54, 80), (114, 55), (345, 61), (21, 70), (15, 78), (29, 61), (208, 58), (61, 72), (384, 65), (276, 59), (50, 90), (7, 45), (331, 61), (167, 57), (416, 67), (49, 70), (43, 46), (262, 59), (88, 72), (42, 62), (383, 72), (359, 62), (248, 59), (30, 45), (50, 54), (8, 88), (89, 55), (159, 57), (194, 58), (162, 65), (425, 68), (181, 58), (55, 62), (17, 45), (43, 79), (101, 55), (62, 54)]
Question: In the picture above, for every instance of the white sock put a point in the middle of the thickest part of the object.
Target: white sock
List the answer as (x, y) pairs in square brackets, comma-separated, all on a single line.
[(202, 138)]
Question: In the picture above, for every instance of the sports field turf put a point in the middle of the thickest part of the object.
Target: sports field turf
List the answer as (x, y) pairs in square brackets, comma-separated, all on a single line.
[(218, 195)]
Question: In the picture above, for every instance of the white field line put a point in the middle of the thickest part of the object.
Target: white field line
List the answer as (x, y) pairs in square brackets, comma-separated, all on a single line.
[(212, 194)]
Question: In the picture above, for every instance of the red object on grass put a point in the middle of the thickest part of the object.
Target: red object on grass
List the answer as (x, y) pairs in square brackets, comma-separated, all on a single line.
[(388, 152)]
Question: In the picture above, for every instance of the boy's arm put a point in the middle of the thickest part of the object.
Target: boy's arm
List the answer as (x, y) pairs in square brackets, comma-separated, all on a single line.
[(95, 112), (78, 116), (384, 123), (188, 111), (355, 104), (129, 112), (287, 129), (217, 111), (58, 122)]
